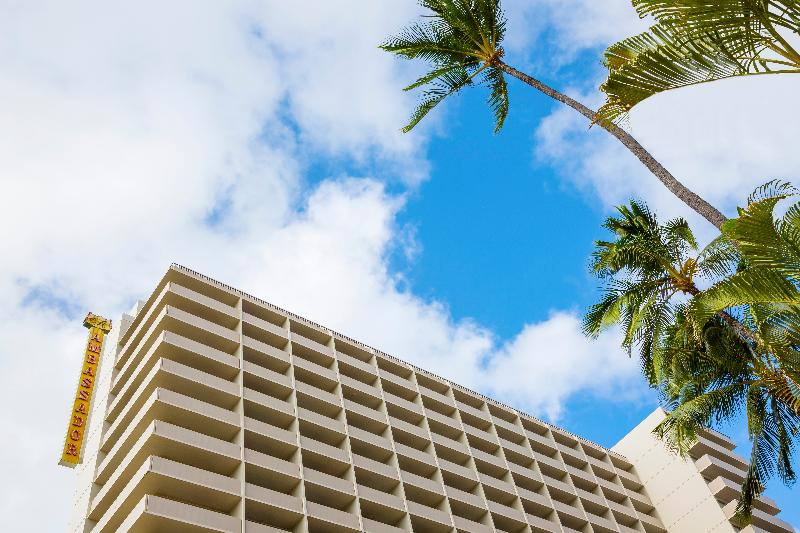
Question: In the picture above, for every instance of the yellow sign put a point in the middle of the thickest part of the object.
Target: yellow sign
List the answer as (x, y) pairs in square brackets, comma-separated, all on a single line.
[(72, 453)]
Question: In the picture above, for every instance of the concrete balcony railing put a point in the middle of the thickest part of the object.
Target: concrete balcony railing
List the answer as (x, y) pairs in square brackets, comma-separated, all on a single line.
[(373, 526), (542, 524), (510, 426), (397, 380), (360, 386), (154, 513), (541, 443), (176, 409), (497, 484), (480, 434), (533, 497), (404, 404), (711, 467), (170, 442), (323, 373), (329, 398), (508, 514), (725, 491), (422, 483), (447, 442), (366, 412), (458, 470), (261, 351), (177, 377), (296, 338), (176, 481), (408, 428), (470, 526), (437, 397), (429, 513), (329, 482), (444, 419), (332, 517), (271, 507), (761, 519), (467, 498), (272, 467), (272, 434), (370, 438), (357, 363), (470, 410), (263, 379), (376, 467), (264, 326), (379, 497), (481, 455)]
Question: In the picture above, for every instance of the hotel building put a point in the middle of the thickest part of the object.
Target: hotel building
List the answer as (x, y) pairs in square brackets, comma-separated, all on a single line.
[(217, 411)]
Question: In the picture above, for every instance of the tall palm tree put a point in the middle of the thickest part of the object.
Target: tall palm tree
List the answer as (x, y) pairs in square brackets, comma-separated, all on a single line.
[(697, 42), (462, 41), (713, 352)]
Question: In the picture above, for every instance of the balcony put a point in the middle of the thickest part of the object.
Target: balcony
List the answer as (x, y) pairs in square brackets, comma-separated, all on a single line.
[(430, 515), (171, 346), (761, 520), (711, 467), (458, 470), (374, 526), (470, 526), (356, 363), (331, 520), (422, 483), (270, 507), (315, 346), (725, 490), (174, 480), (376, 467), (169, 442), (178, 410), (177, 377), (406, 384), (404, 404), (467, 498), (265, 469), (153, 513), (263, 379), (259, 328), (381, 498), (264, 354), (268, 438)]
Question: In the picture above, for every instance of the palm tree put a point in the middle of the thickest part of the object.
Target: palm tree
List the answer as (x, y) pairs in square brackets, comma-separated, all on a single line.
[(697, 42), (462, 41), (712, 353)]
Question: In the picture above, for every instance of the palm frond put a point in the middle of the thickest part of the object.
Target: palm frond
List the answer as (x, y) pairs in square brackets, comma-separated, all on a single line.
[(697, 42)]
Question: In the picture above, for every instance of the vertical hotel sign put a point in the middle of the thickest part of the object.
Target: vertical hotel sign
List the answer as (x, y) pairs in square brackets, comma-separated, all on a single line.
[(72, 453)]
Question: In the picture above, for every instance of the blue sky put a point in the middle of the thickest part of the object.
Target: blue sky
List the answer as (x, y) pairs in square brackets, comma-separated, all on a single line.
[(237, 138)]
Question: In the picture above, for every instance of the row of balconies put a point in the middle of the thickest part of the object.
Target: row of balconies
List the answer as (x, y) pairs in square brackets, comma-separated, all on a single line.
[(275, 434), (725, 471)]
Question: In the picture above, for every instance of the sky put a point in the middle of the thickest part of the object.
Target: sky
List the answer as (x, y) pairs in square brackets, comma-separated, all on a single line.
[(259, 144)]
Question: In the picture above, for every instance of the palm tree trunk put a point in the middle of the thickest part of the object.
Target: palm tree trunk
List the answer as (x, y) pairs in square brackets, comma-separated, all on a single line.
[(689, 197)]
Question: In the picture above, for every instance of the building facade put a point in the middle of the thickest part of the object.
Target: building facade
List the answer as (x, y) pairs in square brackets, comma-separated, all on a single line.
[(220, 412)]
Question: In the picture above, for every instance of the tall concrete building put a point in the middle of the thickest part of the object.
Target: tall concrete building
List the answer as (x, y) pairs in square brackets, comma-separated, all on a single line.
[(220, 412)]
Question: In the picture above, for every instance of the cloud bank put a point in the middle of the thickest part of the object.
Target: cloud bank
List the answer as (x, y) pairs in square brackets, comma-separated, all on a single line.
[(135, 136)]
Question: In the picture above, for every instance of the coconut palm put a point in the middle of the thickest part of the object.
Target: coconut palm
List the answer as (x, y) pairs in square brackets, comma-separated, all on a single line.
[(696, 42), (461, 40), (713, 352)]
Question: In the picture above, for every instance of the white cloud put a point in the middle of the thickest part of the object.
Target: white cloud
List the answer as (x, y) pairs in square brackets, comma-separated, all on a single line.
[(549, 361), (136, 136)]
